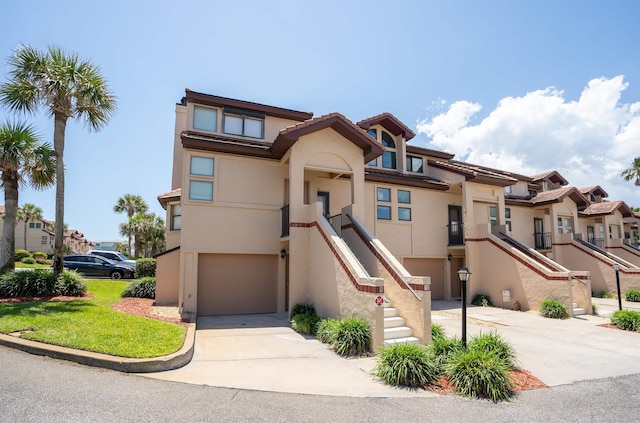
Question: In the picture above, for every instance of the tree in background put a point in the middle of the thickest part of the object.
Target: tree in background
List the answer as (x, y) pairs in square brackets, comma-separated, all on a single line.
[(632, 172), (23, 160), (67, 87), (28, 213), (132, 205)]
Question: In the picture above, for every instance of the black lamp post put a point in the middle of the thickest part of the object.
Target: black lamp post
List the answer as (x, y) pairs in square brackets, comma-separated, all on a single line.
[(616, 267), (464, 276)]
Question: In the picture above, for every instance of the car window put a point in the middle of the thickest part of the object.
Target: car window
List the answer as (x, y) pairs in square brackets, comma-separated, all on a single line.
[(76, 258), (100, 260)]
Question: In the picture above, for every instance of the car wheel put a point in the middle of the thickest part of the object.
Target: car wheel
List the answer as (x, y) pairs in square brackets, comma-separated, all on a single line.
[(116, 275)]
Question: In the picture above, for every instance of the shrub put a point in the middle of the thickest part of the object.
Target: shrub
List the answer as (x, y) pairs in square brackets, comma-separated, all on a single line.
[(327, 330), (594, 309), (302, 308), (39, 255), (305, 323), (493, 343), (480, 374), (20, 254), (626, 319), (437, 331), (443, 349), (553, 309), (145, 267), (353, 336), (40, 283), (141, 288), (632, 295), (406, 364), (28, 260), (482, 300), (605, 294), (43, 261)]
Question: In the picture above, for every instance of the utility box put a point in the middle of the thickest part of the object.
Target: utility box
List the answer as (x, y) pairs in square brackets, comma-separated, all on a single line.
[(506, 296)]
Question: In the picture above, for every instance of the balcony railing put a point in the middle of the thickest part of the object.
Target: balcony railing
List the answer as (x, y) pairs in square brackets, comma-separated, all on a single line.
[(542, 240), (456, 233), (285, 220), (598, 242)]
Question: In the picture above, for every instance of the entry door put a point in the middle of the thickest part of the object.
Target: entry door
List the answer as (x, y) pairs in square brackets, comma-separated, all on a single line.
[(538, 232), (323, 197), (591, 233), (456, 236)]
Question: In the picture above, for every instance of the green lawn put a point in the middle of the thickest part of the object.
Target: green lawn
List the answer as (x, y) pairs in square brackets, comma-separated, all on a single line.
[(90, 324), (20, 265)]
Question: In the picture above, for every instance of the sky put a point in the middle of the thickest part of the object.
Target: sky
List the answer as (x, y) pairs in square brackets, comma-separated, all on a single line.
[(524, 86)]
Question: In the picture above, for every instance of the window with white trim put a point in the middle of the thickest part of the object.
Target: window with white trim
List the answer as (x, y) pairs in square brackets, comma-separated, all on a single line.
[(565, 225), (493, 215), (176, 217), (507, 218), (43, 240), (201, 173)]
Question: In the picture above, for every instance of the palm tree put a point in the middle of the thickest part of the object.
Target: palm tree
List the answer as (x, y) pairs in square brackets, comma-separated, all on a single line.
[(131, 204), (153, 235), (67, 87), (23, 160), (632, 172), (127, 229), (28, 213)]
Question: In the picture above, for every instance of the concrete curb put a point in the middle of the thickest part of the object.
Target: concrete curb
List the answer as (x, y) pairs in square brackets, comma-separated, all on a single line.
[(121, 364)]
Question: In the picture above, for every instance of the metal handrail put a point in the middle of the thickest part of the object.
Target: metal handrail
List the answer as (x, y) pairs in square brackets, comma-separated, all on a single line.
[(360, 229)]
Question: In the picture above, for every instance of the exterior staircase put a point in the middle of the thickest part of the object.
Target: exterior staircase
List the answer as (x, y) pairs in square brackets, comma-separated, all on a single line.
[(577, 311), (395, 331)]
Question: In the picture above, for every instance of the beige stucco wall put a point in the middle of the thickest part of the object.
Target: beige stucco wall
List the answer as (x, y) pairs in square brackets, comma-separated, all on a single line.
[(168, 278), (522, 227), (625, 252)]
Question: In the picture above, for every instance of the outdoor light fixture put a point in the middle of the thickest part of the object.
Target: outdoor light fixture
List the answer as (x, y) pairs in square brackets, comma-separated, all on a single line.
[(464, 276), (616, 267), (283, 253)]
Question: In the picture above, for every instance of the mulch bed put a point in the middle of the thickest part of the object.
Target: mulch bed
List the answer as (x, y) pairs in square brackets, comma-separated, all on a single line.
[(522, 380)]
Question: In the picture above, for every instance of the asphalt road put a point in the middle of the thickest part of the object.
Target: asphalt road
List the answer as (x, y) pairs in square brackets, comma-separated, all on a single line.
[(39, 389)]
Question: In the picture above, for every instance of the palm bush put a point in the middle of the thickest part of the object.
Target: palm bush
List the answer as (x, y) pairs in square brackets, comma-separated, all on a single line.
[(632, 295), (305, 323), (72, 284), (493, 343), (141, 288), (353, 336), (437, 331), (477, 373), (302, 308), (327, 330), (605, 294), (406, 364), (626, 319), (482, 300), (553, 309)]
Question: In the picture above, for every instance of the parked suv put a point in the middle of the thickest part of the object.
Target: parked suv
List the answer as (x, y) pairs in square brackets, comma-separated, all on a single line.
[(113, 256), (92, 265)]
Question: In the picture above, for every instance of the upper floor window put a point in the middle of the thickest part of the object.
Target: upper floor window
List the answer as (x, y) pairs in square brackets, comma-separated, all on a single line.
[(201, 181), (414, 164), (384, 194), (565, 225), (507, 218), (176, 217), (373, 134), (35, 225), (205, 118), (507, 189), (549, 185), (245, 126), (493, 215), (389, 156)]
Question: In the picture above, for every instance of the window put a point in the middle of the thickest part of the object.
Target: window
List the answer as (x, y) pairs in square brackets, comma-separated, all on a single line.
[(532, 192), (36, 225), (493, 215), (389, 156), (373, 134), (176, 217), (384, 194), (507, 218), (414, 164), (201, 189), (564, 225), (205, 118), (507, 189), (243, 125), (549, 185), (384, 212), (404, 213), (404, 196), (43, 241)]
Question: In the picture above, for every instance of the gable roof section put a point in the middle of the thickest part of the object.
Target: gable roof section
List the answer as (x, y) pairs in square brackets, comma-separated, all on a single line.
[(476, 173), (551, 175), (398, 178), (390, 123), (593, 189), (216, 101), (336, 121), (173, 195), (558, 195), (607, 207), (413, 149)]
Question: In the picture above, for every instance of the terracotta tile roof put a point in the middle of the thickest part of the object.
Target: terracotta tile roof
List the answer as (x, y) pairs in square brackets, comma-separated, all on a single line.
[(552, 175), (399, 178), (390, 123), (593, 189), (173, 195), (558, 195), (413, 149), (474, 172), (607, 207)]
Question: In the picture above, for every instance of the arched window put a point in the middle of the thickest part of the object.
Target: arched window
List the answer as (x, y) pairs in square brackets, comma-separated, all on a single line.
[(389, 156), (373, 134)]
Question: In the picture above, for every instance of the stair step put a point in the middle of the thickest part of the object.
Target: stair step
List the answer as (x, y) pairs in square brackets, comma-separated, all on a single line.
[(405, 340), (393, 322), (390, 312), (575, 305), (579, 311), (387, 304), (397, 332)]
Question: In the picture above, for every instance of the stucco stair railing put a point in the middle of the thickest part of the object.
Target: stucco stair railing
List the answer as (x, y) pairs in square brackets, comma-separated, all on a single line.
[(614, 258)]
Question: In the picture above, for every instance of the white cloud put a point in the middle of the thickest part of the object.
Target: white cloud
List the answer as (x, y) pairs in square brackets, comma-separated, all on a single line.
[(589, 141)]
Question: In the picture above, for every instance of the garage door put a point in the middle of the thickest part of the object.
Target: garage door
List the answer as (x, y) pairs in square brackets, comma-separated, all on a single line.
[(237, 284), (428, 267)]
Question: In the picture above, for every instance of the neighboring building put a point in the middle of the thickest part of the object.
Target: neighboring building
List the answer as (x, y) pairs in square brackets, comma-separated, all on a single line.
[(107, 245), (41, 236), (270, 207)]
